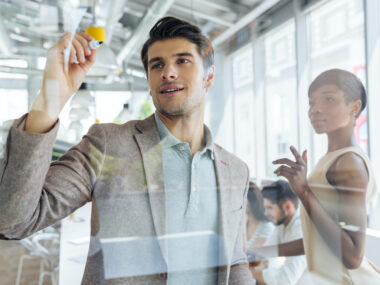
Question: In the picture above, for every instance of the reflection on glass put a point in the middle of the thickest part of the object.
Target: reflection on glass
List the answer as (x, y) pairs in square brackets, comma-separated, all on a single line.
[(336, 32), (242, 66), (280, 93), (338, 188), (13, 103)]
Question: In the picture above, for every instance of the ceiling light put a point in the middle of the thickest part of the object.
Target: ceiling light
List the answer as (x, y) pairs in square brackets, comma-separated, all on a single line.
[(4, 75), (14, 63), (47, 44), (136, 73), (19, 38), (41, 62)]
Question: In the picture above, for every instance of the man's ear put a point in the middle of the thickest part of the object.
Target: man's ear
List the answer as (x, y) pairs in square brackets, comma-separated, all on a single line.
[(210, 77), (287, 205)]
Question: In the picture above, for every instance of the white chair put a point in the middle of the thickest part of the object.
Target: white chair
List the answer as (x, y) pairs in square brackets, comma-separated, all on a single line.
[(45, 246)]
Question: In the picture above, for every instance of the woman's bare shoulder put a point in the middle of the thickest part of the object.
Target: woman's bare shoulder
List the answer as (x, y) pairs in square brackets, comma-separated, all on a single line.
[(348, 169)]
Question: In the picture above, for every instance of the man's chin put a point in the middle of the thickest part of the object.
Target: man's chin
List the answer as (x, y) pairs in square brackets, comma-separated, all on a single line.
[(171, 112)]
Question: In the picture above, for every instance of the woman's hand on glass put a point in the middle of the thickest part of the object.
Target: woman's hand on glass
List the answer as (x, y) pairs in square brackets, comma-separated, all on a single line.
[(294, 171)]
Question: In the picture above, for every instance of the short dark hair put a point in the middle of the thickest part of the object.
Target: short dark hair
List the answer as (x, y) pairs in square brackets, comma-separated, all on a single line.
[(170, 28), (348, 82), (278, 192), (256, 202)]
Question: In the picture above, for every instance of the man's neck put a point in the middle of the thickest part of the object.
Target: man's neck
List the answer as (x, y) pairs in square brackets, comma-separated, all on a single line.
[(186, 128)]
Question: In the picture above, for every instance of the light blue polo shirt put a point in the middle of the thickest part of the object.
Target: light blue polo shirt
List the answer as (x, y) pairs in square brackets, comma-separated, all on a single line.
[(192, 209)]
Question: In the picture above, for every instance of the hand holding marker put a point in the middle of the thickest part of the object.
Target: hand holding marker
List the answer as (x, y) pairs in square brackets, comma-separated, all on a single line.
[(95, 32), (95, 44)]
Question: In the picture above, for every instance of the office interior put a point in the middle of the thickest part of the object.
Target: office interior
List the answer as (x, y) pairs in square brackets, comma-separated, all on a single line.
[(266, 54)]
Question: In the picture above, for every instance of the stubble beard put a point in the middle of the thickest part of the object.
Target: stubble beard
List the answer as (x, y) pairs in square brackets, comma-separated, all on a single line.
[(178, 109), (284, 217), (174, 111)]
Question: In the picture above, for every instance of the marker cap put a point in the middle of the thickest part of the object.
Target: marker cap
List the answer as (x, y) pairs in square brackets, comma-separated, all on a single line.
[(97, 33)]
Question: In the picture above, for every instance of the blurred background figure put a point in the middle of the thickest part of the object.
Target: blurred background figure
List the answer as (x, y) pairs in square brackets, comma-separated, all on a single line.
[(258, 226), (281, 209)]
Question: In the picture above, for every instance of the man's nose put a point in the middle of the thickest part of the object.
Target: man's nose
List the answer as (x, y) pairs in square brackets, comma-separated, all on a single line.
[(169, 72)]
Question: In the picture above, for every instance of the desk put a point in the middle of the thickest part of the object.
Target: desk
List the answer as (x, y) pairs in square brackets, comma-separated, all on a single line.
[(74, 244)]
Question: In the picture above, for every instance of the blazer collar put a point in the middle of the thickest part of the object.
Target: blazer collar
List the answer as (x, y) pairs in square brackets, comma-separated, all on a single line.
[(148, 141), (226, 203)]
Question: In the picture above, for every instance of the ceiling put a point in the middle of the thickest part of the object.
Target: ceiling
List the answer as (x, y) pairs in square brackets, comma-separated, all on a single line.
[(29, 27)]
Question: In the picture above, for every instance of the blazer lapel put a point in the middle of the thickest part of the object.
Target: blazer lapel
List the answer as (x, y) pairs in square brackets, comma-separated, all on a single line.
[(223, 178), (149, 143)]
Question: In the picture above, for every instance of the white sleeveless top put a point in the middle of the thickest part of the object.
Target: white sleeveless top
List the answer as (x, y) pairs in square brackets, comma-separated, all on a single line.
[(324, 266)]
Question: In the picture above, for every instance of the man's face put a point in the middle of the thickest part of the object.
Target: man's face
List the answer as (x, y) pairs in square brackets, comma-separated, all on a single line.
[(276, 214), (176, 77)]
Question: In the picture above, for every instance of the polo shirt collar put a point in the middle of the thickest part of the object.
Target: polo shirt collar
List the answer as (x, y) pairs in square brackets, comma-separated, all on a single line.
[(168, 140)]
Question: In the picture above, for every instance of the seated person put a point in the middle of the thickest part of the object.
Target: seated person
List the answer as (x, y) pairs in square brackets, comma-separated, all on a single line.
[(281, 209), (258, 226)]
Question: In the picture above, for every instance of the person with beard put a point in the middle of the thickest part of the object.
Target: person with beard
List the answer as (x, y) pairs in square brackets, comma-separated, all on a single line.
[(167, 202), (259, 228), (281, 205)]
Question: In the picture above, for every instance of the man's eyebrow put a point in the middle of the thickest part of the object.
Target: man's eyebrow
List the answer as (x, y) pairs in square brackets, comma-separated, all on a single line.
[(154, 59), (183, 54), (180, 54)]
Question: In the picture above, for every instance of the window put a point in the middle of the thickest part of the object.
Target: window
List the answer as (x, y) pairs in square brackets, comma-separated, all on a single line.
[(336, 32), (13, 103), (280, 93), (242, 66)]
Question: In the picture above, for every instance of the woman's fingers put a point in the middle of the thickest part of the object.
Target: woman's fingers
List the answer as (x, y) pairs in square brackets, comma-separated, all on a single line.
[(304, 156), (287, 162), (297, 156), (285, 171)]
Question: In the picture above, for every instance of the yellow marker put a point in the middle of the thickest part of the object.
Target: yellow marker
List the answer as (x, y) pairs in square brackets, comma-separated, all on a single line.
[(98, 33)]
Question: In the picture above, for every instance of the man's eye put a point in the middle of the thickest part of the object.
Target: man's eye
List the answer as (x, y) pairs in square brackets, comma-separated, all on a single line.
[(183, 60), (329, 99), (156, 66)]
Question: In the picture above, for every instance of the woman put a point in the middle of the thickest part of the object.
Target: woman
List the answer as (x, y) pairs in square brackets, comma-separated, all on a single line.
[(335, 195), (258, 226)]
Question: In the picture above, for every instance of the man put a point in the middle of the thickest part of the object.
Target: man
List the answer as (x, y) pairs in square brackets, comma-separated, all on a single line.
[(280, 205), (167, 203)]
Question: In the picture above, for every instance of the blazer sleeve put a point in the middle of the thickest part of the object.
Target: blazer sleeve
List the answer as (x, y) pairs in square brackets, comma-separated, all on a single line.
[(240, 273), (35, 193)]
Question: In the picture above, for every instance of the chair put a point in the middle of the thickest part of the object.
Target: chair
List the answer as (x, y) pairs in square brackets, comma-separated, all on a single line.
[(45, 246)]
